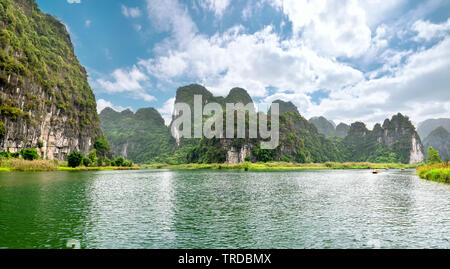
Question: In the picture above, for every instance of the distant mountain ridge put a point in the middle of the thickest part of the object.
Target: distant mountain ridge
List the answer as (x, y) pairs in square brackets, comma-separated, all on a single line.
[(439, 139), (300, 140), (424, 128), (329, 128)]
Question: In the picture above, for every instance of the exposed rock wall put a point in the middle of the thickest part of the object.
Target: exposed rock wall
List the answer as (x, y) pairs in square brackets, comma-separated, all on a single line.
[(45, 99), (236, 155), (416, 155), (38, 119)]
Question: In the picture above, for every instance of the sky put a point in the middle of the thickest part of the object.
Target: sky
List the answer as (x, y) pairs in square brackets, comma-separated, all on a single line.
[(347, 60)]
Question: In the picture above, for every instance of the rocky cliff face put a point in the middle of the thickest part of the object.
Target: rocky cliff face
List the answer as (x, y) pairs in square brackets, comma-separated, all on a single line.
[(45, 99), (299, 139), (396, 136)]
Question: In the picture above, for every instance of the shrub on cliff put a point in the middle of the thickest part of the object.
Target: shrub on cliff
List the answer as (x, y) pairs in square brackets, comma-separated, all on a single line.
[(2, 130), (74, 159), (29, 154)]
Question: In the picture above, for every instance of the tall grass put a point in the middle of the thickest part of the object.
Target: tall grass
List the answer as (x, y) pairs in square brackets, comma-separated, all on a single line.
[(436, 172), (28, 166), (283, 166)]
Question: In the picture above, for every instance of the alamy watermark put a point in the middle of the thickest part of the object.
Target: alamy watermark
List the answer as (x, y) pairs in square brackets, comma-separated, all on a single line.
[(213, 126)]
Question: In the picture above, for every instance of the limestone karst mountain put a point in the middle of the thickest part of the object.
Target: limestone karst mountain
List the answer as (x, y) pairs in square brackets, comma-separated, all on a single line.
[(45, 99), (145, 138)]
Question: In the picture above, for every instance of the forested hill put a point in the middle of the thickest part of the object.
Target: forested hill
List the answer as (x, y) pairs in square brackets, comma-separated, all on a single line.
[(45, 99), (300, 141), (141, 136)]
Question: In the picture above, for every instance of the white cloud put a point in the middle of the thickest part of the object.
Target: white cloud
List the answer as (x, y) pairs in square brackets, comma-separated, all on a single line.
[(216, 6), (166, 110), (427, 30), (408, 81), (419, 88), (332, 28), (87, 23), (126, 81), (170, 15), (378, 10), (74, 1), (254, 62), (102, 104), (132, 12)]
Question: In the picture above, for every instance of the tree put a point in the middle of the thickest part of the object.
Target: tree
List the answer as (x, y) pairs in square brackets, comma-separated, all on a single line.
[(433, 156), (93, 157), (74, 159), (102, 147), (30, 154)]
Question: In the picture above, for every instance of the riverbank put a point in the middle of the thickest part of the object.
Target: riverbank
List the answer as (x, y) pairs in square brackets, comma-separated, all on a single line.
[(437, 172), (283, 166), (20, 165)]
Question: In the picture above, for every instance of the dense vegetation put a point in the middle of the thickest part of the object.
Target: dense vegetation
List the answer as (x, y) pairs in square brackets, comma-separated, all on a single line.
[(35, 46), (141, 136), (300, 140), (435, 169)]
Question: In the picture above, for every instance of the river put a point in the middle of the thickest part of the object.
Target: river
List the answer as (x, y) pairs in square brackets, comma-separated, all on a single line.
[(223, 209)]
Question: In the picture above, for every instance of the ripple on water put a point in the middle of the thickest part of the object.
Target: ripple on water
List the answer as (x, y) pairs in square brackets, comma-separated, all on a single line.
[(223, 209)]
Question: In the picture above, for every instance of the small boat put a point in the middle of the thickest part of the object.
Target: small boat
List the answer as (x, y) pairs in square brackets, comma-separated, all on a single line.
[(403, 169), (375, 171)]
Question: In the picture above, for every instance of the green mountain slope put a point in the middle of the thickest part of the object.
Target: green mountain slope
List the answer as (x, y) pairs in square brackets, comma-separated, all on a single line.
[(141, 137), (299, 139), (45, 97), (439, 139), (324, 126), (342, 130), (395, 141), (426, 127)]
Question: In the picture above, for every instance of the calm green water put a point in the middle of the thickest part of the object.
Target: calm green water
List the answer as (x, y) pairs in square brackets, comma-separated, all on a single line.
[(217, 209)]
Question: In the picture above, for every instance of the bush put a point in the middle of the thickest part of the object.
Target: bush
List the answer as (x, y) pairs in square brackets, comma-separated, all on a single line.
[(87, 162), (5, 154), (102, 147), (120, 161), (40, 144), (30, 154), (2, 130), (74, 159)]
